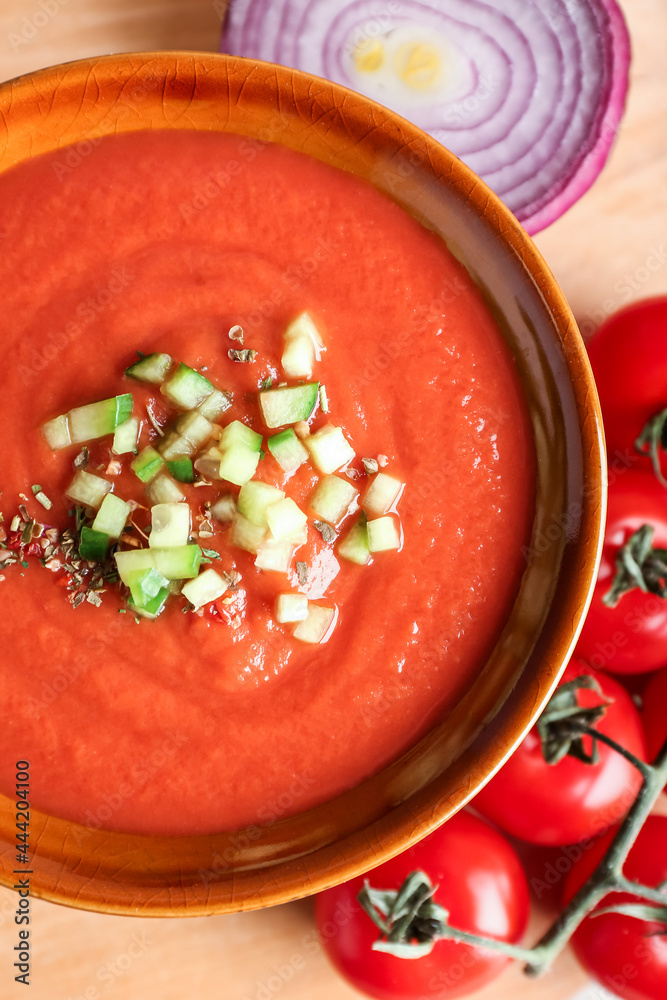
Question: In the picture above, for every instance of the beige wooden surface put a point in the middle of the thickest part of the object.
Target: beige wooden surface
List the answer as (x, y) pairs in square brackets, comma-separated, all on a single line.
[(608, 250)]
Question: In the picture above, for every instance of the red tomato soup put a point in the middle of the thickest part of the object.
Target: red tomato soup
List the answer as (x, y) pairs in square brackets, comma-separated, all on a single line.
[(198, 722)]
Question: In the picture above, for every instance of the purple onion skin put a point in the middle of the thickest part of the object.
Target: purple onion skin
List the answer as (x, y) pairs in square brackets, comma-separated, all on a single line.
[(539, 175)]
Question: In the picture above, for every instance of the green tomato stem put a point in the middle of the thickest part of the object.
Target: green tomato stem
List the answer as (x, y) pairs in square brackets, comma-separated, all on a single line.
[(607, 877)]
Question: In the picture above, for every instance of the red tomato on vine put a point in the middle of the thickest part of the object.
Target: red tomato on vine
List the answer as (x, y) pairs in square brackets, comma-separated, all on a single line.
[(480, 882), (627, 955), (566, 802)]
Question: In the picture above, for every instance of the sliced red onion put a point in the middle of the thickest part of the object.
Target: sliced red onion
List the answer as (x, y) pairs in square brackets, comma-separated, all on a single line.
[(529, 93)]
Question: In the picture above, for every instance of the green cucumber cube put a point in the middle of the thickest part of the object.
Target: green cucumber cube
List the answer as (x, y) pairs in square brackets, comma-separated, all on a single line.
[(95, 420), (237, 433), (112, 516), (170, 525), (238, 464), (333, 499), (173, 446), (163, 489), (381, 493), (298, 357), (288, 404), (145, 584), (354, 547), (194, 428), (132, 560), (291, 608), (285, 519), (246, 535), (287, 450), (153, 368), (254, 498), (88, 489), (207, 587), (147, 464), (182, 469), (383, 534), (275, 555), (153, 606), (215, 405), (125, 437), (186, 388), (93, 544), (57, 432), (178, 563), (329, 449), (317, 625)]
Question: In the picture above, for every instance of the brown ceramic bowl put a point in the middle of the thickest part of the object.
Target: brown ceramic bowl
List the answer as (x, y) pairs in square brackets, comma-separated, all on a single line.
[(162, 876)]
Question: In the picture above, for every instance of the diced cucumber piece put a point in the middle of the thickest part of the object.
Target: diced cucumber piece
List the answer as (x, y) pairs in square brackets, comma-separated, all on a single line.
[(125, 437), (97, 419), (298, 357), (287, 450), (88, 489), (383, 534), (303, 326), (238, 464), (163, 489), (288, 404), (207, 463), (153, 368), (237, 433), (194, 428), (207, 587), (173, 445), (186, 388), (178, 563), (382, 493), (145, 584), (112, 516), (275, 555), (285, 519), (133, 560), (254, 498), (354, 547), (333, 499), (57, 433), (182, 469), (329, 448), (316, 625), (153, 606), (246, 535), (93, 544), (215, 405), (170, 525), (147, 464), (291, 608), (224, 509)]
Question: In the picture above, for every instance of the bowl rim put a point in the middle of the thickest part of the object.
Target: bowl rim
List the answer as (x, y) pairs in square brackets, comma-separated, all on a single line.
[(238, 887)]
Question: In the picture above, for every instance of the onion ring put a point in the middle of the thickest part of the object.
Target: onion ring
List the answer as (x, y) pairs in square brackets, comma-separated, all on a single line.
[(529, 93)]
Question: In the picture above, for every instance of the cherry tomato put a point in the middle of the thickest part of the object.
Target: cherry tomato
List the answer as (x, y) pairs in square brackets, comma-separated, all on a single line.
[(564, 803), (628, 956), (655, 716), (631, 637), (480, 882), (629, 359)]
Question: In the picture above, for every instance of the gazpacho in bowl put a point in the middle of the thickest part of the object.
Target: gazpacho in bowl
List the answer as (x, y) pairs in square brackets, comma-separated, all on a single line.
[(299, 457)]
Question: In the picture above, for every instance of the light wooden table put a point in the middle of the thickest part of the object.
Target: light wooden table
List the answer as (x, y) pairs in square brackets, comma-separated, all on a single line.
[(611, 248)]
